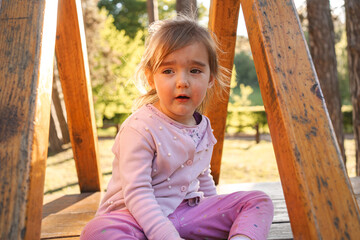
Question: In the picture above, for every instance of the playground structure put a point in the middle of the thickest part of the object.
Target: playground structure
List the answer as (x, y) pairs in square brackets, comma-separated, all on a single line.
[(319, 196)]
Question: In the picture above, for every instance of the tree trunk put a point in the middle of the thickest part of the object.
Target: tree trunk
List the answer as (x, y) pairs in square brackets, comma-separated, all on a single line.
[(186, 7), (352, 8), (152, 9), (55, 145), (59, 110), (322, 48)]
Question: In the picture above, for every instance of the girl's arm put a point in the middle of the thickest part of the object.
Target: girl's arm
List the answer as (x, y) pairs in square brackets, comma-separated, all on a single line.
[(135, 156), (207, 184)]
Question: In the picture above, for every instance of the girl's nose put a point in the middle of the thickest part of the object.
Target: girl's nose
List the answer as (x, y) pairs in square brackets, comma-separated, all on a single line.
[(182, 81)]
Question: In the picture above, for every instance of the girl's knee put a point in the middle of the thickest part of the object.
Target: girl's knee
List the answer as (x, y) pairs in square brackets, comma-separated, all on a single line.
[(106, 228), (254, 194), (92, 230), (261, 195), (262, 199), (257, 198)]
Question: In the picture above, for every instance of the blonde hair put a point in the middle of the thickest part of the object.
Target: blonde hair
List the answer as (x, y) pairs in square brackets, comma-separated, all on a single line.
[(167, 36)]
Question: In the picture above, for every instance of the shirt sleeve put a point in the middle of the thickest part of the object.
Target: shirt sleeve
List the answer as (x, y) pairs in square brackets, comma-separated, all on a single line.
[(135, 156), (207, 184)]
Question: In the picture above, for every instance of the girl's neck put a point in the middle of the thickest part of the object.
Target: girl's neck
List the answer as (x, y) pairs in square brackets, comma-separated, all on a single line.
[(188, 122)]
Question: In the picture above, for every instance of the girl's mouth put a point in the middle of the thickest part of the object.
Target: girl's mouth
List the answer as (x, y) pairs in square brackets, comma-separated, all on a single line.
[(182, 97)]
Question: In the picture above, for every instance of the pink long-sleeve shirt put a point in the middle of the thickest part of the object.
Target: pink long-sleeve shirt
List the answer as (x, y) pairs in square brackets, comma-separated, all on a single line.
[(156, 166)]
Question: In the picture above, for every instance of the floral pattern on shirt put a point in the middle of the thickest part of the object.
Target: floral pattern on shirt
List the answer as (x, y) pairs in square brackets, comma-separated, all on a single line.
[(195, 132)]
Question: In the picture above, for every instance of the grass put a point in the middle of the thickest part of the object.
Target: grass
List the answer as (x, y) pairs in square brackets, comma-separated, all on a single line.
[(243, 161)]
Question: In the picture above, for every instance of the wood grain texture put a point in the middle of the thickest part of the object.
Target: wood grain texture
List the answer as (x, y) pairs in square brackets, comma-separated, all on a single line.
[(66, 216), (75, 80), (309, 160), (27, 40), (223, 20)]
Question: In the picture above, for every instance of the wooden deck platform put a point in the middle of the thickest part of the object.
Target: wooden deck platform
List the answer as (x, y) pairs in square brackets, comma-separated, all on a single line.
[(65, 216)]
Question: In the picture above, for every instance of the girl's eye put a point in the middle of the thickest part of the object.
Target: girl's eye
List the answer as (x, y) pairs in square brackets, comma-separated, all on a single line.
[(167, 71), (195, 71)]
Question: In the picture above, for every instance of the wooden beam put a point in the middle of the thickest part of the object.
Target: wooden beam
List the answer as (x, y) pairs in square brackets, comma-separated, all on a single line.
[(27, 40), (223, 21), (317, 190), (75, 80)]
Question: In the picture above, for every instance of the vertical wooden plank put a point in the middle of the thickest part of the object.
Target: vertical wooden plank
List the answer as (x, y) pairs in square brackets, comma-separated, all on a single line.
[(223, 19), (27, 39), (318, 193), (75, 80)]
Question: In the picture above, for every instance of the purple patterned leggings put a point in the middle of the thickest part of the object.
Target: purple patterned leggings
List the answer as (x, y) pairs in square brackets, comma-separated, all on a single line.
[(218, 217)]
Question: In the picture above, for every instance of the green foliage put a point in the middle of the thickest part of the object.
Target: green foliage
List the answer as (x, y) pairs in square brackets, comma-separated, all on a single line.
[(241, 96), (131, 15), (166, 8), (245, 89), (244, 119), (113, 65), (256, 98), (347, 118), (343, 69), (128, 15), (245, 70)]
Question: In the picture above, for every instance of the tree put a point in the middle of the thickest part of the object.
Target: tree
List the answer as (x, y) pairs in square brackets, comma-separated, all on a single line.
[(152, 9), (322, 48), (113, 57), (352, 8), (239, 93), (245, 79), (132, 15), (245, 70), (129, 15), (57, 104), (55, 145)]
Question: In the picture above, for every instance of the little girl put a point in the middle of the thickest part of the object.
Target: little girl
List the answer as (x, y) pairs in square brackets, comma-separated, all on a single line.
[(161, 187)]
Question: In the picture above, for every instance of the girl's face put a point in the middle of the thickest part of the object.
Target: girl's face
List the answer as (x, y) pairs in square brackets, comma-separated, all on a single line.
[(181, 82)]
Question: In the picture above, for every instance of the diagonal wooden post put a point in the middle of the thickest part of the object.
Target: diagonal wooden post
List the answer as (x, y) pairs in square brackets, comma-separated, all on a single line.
[(27, 40), (223, 21), (75, 81), (318, 193)]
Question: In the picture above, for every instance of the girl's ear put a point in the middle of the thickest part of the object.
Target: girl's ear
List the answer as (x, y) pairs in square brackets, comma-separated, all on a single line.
[(211, 81), (150, 78)]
